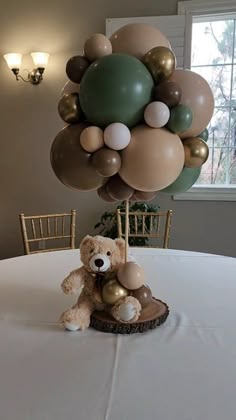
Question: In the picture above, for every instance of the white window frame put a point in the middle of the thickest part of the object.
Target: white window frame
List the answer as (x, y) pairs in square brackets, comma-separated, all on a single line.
[(190, 9)]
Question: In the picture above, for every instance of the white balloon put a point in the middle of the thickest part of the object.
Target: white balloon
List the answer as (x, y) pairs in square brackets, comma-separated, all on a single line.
[(157, 114), (70, 87), (117, 136)]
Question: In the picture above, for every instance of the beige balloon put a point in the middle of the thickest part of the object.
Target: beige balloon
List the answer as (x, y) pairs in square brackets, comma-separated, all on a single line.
[(195, 93), (137, 39), (131, 275), (91, 139), (97, 46), (153, 159)]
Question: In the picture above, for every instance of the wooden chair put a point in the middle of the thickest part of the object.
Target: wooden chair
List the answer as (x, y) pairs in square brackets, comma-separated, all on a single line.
[(153, 225), (39, 231)]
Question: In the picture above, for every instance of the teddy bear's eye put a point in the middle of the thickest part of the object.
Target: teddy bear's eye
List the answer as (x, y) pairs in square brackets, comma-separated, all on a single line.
[(91, 251), (108, 253)]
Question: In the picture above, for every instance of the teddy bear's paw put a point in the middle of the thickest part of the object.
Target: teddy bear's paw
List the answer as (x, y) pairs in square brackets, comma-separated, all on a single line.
[(75, 319), (69, 319), (67, 287), (71, 327), (128, 310)]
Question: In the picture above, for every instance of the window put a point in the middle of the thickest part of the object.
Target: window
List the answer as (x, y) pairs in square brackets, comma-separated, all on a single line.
[(213, 57), (211, 52)]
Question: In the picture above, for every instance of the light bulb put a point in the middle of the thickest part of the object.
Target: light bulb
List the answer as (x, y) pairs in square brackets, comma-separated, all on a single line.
[(13, 60), (40, 59)]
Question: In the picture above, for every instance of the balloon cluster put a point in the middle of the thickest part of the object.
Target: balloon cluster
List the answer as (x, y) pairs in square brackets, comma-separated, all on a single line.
[(136, 124)]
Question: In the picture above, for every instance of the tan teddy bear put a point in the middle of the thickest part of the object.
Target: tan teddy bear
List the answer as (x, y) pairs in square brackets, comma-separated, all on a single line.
[(101, 258)]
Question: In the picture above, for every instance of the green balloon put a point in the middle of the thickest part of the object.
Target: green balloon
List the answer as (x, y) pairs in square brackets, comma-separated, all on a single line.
[(116, 88), (185, 180), (204, 135), (180, 118)]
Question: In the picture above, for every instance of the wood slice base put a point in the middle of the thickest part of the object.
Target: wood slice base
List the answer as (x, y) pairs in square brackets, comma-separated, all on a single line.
[(151, 317)]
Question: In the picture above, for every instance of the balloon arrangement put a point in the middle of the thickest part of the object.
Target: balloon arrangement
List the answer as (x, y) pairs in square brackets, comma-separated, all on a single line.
[(134, 120)]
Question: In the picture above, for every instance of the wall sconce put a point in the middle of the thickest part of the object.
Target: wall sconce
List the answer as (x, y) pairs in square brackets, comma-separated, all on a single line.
[(35, 76)]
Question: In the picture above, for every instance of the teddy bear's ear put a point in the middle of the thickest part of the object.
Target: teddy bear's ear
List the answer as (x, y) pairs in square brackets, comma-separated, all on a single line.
[(85, 240), (121, 245)]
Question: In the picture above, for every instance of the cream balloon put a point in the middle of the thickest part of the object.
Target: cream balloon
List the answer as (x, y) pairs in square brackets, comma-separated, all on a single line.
[(137, 39), (117, 136), (131, 275), (153, 159), (197, 95), (97, 46), (91, 139), (157, 114)]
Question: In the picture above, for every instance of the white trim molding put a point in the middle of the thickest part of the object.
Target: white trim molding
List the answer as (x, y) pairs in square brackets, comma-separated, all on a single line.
[(208, 193), (198, 7)]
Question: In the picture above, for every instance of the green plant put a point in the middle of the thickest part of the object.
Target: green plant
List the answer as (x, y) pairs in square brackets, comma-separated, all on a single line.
[(107, 225)]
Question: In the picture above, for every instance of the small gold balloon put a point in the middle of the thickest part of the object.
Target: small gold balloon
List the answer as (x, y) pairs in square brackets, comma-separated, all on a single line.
[(69, 108), (112, 291), (196, 152), (161, 63)]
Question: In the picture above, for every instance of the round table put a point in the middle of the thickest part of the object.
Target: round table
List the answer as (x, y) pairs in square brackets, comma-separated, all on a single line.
[(183, 370)]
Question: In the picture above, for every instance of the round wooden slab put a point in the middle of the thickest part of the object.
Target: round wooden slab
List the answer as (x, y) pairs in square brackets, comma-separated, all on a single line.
[(151, 317)]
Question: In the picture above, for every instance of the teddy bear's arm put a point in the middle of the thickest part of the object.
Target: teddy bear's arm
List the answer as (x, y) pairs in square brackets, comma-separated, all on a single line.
[(74, 283)]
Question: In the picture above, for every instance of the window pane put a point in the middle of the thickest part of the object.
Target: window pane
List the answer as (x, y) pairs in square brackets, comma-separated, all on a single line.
[(234, 41), (213, 57), (233, 101), (219, 79), (219, 128), (212, 42), (216, 169), (232, 137), (232, 166)]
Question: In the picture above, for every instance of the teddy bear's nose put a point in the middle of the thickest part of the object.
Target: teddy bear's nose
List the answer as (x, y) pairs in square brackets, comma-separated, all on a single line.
[(99, 262)]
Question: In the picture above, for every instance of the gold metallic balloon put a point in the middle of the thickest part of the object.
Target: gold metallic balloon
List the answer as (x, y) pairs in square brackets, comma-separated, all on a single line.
[(161, 63), (196, 152), (69, 108), (112, 291)]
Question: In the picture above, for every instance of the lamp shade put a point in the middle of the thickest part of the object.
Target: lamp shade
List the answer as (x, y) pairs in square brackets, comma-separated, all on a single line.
[(13, 60), (40, 59)]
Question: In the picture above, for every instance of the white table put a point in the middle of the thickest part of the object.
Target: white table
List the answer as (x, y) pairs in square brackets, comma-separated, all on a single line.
[(183, 370)]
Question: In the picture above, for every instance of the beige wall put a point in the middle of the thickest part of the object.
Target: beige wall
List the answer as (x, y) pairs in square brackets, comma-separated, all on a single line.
[(29, 123)]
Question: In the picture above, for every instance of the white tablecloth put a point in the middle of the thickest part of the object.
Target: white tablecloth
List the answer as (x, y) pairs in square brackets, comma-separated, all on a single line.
[(183, 370)]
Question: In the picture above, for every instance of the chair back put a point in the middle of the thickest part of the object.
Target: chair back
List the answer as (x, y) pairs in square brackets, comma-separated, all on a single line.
[(150, 225), (43, 233)]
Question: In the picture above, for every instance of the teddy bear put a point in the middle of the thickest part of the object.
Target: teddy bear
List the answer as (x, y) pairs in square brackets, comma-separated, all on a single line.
[(101, 258)]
